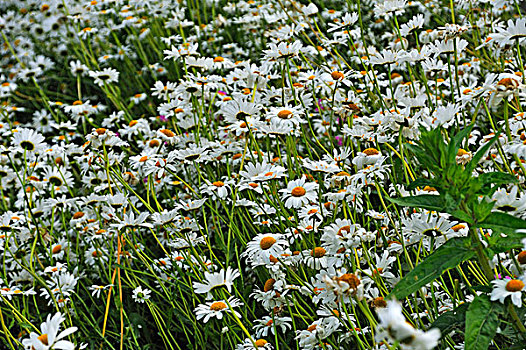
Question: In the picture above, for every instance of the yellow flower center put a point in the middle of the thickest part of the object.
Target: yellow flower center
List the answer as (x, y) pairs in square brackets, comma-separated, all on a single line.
[(461, 152), (298, 191), (267, 242), (371, 151), (346, 228), (514, 286), (458, 227), (311, 328), (218, 306), (269, 284), (167, 133), (260, 342), (337, 75), (350, 279), (43, 339), (284, 114), (318, 252), (379, 302)]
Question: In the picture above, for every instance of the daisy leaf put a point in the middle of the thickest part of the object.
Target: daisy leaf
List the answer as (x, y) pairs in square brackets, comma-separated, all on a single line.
[(452, 319), (482, 320), (447, 256)]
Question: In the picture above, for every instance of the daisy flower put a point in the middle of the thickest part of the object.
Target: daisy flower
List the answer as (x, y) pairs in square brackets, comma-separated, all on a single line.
[(223, 278), (263, 246), (509, 287), (299, 193), (106, 76), (251, 344), (28, 140), (49, 339), (283, 50), (268, 323), (394, 327), (140, 295), (216, 309)]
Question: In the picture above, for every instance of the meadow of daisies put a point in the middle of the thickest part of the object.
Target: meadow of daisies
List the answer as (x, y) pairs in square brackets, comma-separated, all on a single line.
[(262, 174)]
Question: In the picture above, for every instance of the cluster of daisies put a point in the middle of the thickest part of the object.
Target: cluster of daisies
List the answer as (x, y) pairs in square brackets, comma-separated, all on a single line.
[(217, 174)]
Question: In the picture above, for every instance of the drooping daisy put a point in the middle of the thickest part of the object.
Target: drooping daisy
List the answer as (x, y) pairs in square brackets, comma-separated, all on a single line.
[(428, 224), (235, 110), (262, 171), (283, 50), (223, 278), (315, 258), (299, 193), (268, 323)]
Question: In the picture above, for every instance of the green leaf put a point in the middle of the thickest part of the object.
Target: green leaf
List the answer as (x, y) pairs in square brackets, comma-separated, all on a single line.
[(497, 178), (455, 143), (502, 223), (459, 214), (480, 153), (451, 319), (485, 181), (499, 244), (481, 209), (450, 203), (426, 201), (482, 320), (447, 256)]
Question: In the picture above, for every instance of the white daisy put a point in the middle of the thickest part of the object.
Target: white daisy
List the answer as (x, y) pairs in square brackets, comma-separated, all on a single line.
[(217, 308), (49, 339), (512, 287), (299, 193), (223, 278), (263, 246)]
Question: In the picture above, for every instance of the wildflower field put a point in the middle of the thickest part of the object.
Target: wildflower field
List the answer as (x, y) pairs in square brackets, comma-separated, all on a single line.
[(262, 174)]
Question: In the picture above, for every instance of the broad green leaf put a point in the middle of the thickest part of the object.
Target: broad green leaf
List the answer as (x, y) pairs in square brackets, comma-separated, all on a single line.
[(447, 256), (426, 201), (459, 214), (499, 244), (488, 183), (481, 209), (497, 178), (482, 320), (502, 223), (451, 319)]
